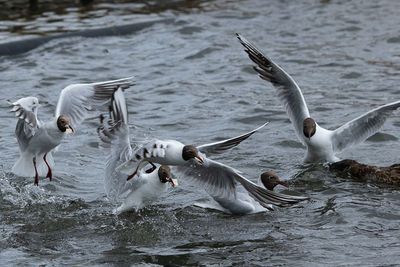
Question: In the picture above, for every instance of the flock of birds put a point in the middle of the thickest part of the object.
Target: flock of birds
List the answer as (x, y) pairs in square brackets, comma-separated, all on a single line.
[(139, 172)]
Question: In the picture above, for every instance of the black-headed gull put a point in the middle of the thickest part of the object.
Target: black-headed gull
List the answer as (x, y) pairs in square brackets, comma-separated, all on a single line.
[(36, 139), (270, 180), (115, 141), (146, 188), (217, 179), (322, 144), (242, 203), (172, 152)]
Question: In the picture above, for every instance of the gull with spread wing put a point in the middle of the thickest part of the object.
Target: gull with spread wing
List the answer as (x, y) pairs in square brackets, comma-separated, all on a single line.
[(241, 203), (115, 142), (36, 139), (190, 161), (322, 144)]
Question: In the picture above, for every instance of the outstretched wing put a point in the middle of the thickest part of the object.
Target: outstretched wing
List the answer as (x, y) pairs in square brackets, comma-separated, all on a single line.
[(26, 110), (222, 146), (114, 139), (77, 99), (361, 128), (221, 180), (288, 91)]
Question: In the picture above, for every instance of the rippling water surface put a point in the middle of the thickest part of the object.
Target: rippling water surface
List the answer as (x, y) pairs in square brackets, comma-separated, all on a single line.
[(195, 84)]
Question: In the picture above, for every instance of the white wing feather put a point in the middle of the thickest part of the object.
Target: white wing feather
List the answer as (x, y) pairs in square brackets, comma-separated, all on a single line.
[(288, 91), (221, 180), (222, 146), (77, 99), (114, 139), (26, 110), (359, 129)]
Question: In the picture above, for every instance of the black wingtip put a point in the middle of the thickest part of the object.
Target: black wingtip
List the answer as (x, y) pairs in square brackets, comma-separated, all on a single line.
[(101, 117)]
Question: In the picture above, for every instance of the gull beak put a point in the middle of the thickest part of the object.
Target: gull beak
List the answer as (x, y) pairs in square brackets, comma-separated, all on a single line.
[(174, 182), (283, 183), (199, 160), (69, 129)]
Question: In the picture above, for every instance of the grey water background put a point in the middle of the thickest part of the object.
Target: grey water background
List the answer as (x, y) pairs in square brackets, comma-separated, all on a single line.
[(195, 84)]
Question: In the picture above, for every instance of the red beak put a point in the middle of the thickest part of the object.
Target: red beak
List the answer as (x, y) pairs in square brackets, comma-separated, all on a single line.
[(173, 182), (199, 160), (283, 183)]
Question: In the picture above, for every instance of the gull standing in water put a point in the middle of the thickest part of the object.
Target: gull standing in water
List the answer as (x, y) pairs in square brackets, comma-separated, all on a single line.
[(37, 139), (114, 139), (322, 144)]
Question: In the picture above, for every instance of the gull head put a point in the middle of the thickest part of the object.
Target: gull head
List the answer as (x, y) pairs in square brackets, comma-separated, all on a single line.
[(191, 152), (309, 127), (270, 180), (64, 124), (164, 174)]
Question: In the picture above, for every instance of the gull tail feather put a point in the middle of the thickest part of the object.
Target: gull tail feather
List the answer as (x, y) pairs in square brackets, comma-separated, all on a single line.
[(24, 165)]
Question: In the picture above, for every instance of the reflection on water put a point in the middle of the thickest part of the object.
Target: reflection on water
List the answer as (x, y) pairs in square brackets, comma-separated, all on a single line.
[(17, 9), (33, 18)]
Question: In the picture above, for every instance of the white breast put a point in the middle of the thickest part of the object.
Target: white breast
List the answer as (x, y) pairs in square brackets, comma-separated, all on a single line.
[(172, 153), (319, 147)]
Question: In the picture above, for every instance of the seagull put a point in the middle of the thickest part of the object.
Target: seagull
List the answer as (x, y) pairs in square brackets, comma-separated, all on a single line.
[(115, 142), (172, 152), (37, 139), (322, 144), (218, 179), (190, 161), (270, 180), (147, 188), (243, 204)]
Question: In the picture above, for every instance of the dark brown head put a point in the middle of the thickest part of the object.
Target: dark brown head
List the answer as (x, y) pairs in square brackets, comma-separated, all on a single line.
[(309, 127), (164, 173), (64, 124), (191, 152), (270, 180)]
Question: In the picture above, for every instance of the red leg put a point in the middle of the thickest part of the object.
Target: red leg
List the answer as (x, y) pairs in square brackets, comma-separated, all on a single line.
[(137, 169), (153, 167), (36, 173), (49, 172), (133, 174)]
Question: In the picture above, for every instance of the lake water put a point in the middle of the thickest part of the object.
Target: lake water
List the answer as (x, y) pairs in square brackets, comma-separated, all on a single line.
[(195, 84)]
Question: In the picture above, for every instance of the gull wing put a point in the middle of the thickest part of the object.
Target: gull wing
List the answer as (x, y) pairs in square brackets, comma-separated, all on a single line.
[(221, 180), (77, 99), (288, 91), (114, 139), (361, 128), (222, 146), (26, 110)]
